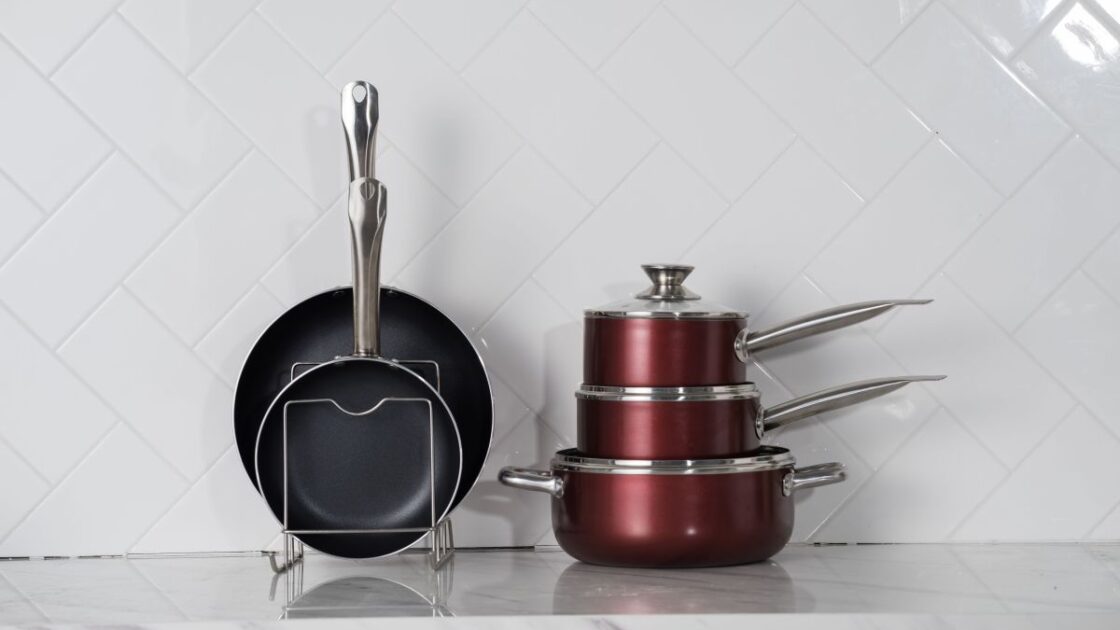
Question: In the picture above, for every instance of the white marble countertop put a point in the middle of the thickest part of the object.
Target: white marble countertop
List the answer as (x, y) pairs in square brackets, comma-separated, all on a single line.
[(834, 587)]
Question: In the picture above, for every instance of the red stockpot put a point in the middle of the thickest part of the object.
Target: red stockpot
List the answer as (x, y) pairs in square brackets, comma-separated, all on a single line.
[(667, 337), (673, 514), (700, 422)]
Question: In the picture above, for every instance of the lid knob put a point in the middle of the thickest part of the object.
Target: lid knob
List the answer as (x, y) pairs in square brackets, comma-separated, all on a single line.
[(668, 283)]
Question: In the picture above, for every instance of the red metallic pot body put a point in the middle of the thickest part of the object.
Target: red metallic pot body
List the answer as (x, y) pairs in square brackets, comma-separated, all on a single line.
[(666, 429), (672, 521), (661, 352)]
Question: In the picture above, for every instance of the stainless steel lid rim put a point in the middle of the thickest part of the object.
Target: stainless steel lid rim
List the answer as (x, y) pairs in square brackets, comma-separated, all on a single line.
[(766, 458), (598, 313), (698, 393)]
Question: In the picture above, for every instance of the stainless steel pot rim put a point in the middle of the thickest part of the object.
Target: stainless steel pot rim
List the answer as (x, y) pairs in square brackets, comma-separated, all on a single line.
[(652, 314), (765, 458), (738, 391)]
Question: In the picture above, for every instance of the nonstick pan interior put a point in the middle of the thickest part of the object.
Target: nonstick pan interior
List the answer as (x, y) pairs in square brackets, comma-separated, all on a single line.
[(321, 328), (363, 472)]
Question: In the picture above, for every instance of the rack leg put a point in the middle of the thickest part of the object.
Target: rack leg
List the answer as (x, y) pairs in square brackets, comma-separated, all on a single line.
[(442, 544)]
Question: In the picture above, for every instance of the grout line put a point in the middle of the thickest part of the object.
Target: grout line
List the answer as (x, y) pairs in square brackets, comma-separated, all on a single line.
[(1045, 25), (27, 462), (894, 38), (213, 52), (81, 42), (349, 46), (478, 53), (731, 67)]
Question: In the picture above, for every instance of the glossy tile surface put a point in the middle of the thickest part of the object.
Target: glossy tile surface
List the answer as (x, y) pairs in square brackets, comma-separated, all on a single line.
[(928, 580), (172, 177)]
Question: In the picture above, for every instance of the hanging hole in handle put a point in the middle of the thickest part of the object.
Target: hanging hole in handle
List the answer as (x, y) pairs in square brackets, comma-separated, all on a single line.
[(359, 93)]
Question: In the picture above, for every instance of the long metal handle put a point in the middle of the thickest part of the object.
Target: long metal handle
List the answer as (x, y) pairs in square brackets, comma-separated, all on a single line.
[(813, 324), (529, 479), (360, 115), (818, 475), (367, 225), (835, 398)]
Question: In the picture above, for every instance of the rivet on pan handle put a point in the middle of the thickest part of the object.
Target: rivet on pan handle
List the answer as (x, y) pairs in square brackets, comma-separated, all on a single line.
[(835, 398), (813, 324), (813, 476), (529, 479)]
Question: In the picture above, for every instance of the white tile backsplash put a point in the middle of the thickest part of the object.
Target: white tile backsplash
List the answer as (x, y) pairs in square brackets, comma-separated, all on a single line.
[(172, 178)]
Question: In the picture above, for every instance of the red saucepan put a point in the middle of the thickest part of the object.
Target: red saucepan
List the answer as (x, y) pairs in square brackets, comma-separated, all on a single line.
[(666, 337), (700, 422), (672, 514)]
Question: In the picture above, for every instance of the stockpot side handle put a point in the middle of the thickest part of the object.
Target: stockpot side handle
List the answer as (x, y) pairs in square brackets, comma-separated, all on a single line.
[(529, 479), (836, 398), (818, 475), (816, 323)]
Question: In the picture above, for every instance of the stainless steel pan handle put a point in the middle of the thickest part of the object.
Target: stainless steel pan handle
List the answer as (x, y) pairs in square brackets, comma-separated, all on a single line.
[(529, 479), (813, 324), (813, 476), (366, 210), (835, 398)]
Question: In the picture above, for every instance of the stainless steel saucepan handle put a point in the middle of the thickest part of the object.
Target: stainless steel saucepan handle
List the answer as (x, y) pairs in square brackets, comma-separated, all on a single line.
[(813, 324), (529, 479), (813, 476), (366, 210), (834, 398)]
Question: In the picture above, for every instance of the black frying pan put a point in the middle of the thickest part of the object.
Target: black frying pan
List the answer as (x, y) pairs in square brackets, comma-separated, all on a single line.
[(352, 469), (412, 331)]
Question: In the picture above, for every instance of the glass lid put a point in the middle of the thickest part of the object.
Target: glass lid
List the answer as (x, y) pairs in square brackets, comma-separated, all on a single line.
[(667, 297)]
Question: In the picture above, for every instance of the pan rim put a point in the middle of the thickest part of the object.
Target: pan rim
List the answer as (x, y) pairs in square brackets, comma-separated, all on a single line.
[(346, 287), (454, 425), (763, 459)]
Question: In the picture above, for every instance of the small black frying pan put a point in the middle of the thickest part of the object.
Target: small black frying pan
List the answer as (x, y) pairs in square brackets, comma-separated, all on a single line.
[(359, 471)]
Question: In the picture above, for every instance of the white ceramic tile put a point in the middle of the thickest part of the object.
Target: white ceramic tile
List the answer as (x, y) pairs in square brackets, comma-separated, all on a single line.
[(185, 31), (1040, 235), (751, 254), (1075, 335), (525, 211), (224, 349), (427, 111), (19, 218), (40, 400), (1103, 266), (639, 222), (813, 443), (324, 30), (288, 110), (509, 410), (152, 113), (1067, 66), (915, 497), (63, 272), (908, 231), (560, 106), (104, 506), (592, 40), (495, 515), (23, 488), (873, 429), (728, 27), (866, 26), (1044, 499), (39, 126), (208, 263), (46, 31), (1005, 25), (220, 512), (970, 98), (696, 104), (183, 412), (535, 347), (833, 101), (994, 388), (457, 30)]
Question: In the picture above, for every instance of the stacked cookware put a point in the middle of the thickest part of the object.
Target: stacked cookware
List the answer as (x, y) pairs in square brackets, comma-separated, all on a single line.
[(363, 415), (669, 469)]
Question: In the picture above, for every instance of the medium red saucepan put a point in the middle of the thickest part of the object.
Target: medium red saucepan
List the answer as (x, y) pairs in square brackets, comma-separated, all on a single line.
[(667, 337), (701, 422), (673, 514)]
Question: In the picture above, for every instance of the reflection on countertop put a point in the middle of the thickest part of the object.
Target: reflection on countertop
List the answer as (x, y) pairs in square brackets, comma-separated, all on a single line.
[(910, 579)]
